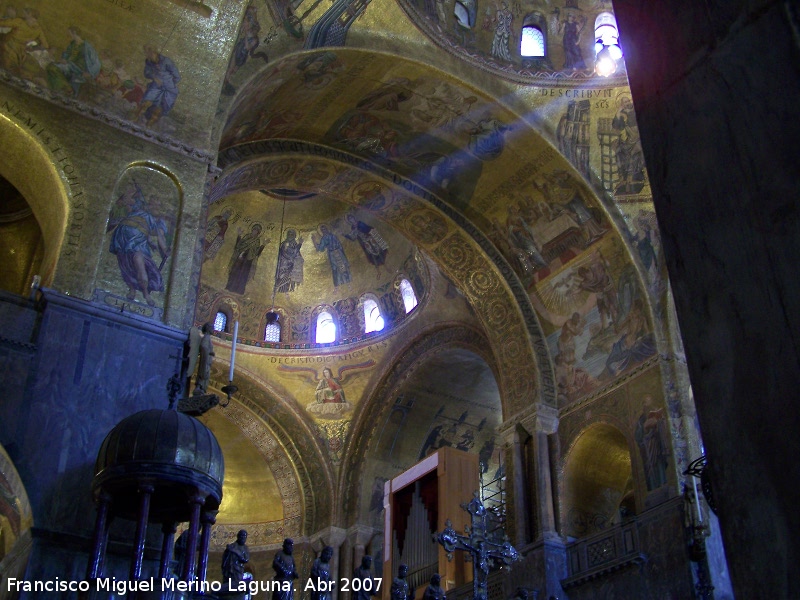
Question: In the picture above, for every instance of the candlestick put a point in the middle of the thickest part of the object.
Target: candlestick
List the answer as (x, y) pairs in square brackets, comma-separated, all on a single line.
[(697, 500), (233, 348)]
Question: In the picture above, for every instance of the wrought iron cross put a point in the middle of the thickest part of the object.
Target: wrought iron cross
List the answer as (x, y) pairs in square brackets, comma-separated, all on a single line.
[(485, 552)]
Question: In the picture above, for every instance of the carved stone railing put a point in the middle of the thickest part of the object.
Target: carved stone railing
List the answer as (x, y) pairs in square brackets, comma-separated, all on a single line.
[(608, 551)]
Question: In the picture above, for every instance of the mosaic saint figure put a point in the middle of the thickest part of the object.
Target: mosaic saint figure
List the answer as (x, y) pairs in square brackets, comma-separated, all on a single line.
[(329, 390), (596, 279), (340, 267), (162, 91), (486, 138), (242, 267), (133, 229), (289, 273), (628, 147), (215, 234), (79, 63), (372, 243), (245, 47), (635, 344), (651, 437), (573, 58), (23, 34), (502, 32)]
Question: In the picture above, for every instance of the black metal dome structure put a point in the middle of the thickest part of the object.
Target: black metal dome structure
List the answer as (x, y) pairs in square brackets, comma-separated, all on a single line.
[(158, 466)]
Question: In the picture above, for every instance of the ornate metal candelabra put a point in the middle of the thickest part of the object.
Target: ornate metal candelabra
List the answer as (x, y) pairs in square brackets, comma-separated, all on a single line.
[(486, 552)]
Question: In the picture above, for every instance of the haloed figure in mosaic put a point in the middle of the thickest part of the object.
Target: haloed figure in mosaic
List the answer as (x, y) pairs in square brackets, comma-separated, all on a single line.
[(372, 243), (340, 266), (134, 226), (162, 91), (289, 273)]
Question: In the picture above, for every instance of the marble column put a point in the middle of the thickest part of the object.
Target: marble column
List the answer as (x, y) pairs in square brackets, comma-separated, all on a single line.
[(207, 518), (100, 538), (167, 545), (145, 493), (196, 502)]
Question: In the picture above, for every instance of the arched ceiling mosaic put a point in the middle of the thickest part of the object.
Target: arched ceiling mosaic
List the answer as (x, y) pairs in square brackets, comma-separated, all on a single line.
[(517, 183), (297, 252)]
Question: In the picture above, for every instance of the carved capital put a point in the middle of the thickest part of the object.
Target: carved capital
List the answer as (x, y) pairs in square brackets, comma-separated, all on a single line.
[(361, 535), (534, 419)]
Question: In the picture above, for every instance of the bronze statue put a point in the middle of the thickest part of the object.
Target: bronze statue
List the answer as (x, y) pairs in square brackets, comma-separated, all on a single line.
[(400, 589), (434, 591), (364, 574), (321, 579), (234, 558), (204, 364), (285, 571)]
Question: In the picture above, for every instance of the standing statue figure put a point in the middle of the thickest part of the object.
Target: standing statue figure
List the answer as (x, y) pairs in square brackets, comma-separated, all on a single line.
[(234, 558), (400, 589), (364, 574), (434, 591), (285, 571), (323, 584), (201, 344)]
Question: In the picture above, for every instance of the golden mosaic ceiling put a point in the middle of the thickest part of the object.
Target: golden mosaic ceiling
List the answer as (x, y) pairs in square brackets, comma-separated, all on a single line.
[(425, 152)]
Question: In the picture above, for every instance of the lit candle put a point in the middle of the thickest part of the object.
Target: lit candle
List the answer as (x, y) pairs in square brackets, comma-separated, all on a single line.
[(233, 348), (697, 499)]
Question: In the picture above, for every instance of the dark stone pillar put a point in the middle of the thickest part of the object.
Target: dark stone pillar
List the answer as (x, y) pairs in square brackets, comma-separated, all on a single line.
[(190, 559), (167, 545), (715, 85), (100, 537), (208, 518), (145, 492)]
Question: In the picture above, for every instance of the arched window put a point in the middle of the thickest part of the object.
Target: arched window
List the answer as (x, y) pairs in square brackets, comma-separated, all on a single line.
[(326, 328), (532, 42), (272, 333), (221, 321), (409, 297), (373, 320)]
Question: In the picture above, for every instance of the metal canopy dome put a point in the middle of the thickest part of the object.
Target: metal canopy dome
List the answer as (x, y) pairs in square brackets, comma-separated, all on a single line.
[(174, 453)]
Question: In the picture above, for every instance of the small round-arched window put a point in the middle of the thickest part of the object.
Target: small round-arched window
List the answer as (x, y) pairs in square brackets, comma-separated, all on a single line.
[(220, 321), (532, 42), (272, 333), (409, 297), (373, 320), (326, 328)]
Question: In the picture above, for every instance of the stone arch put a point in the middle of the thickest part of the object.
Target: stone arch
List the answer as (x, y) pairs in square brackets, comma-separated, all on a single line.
[(16, 520), (375, 408), (259, 412), (596, 479), (47, 193), (458, 247)]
